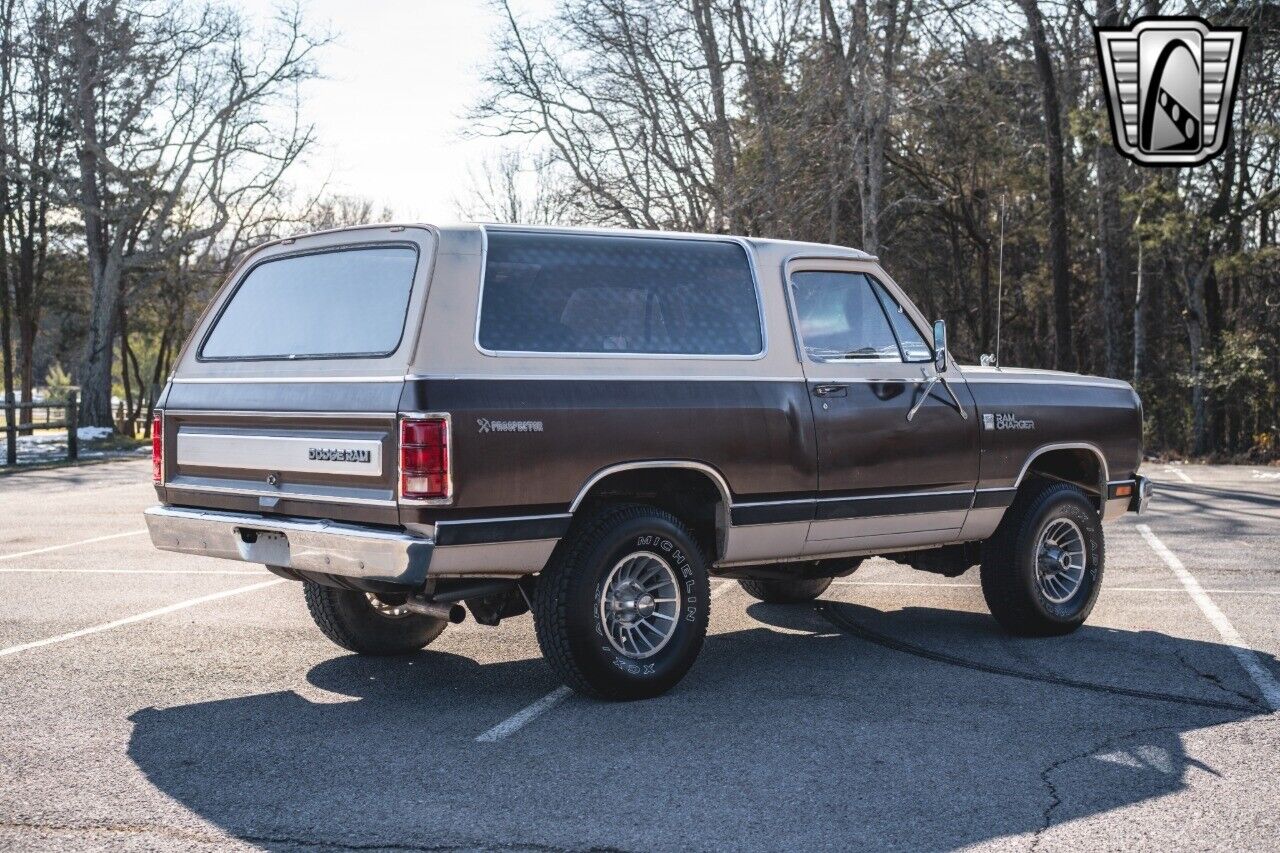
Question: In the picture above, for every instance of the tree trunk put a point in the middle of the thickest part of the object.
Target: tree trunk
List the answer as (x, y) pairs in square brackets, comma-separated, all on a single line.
[(1193, 285), (1063, 351), (1112, 234), (123, 324), (721, 133), (104, 261), (6, 308), (751, 62)]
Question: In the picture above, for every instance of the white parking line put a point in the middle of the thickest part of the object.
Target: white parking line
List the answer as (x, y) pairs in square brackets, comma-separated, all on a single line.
[(522, 718), (531, 712), (1267, 684), (70, 545), (131, 572), (1179, 473), (129, 620)]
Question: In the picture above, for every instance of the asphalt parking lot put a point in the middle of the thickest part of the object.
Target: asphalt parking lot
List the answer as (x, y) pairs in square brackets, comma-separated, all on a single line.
[(155, 701)]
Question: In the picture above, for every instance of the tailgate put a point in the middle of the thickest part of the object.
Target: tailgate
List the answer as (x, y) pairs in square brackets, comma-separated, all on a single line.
[(322, 464)]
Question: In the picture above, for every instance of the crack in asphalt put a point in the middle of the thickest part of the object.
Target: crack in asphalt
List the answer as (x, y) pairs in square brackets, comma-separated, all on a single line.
[(1217, 681), (847, 624), (298, 841), (1055, 799)]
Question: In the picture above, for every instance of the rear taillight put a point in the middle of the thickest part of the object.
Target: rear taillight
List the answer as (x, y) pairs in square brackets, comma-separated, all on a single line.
[(157, 448), (424, 458)]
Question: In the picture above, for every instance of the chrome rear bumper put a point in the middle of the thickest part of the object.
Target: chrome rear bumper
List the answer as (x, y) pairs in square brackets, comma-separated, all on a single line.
[(303, 545)]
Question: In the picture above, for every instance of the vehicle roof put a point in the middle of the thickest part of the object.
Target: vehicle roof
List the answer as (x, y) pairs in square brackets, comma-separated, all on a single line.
[(825, 248), (791, 247)]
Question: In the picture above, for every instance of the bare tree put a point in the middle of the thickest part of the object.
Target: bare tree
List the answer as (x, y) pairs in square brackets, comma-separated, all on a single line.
[(1113, 229), (513, 188), (6, 304), (868, 48), (631, 101), (1063, 351), (339, 211), (170, 107), (32, 112)]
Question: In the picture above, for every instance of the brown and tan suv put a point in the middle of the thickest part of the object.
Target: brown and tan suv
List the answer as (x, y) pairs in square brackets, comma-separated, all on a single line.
[(417, 422)]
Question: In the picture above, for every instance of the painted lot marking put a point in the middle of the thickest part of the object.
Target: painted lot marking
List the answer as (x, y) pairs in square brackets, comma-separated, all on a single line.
[(533, 711), (526, 715), (1262, 677), (1179, 473), (70, 545), (129, 620)]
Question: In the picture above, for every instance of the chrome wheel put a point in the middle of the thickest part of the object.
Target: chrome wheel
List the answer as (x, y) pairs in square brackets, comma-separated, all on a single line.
[(391, 611), (640, 605), (1060, 560)]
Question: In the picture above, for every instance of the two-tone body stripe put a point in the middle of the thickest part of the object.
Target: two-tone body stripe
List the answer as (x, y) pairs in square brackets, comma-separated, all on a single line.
[(481, 531), (742, 514), (993, 498), (867, 505)]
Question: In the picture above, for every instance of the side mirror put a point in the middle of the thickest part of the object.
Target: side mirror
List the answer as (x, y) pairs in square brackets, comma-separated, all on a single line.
[(940, 345)]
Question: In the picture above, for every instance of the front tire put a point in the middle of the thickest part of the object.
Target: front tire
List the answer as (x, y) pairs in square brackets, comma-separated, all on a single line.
[(1042, 569), (369, 624), (622, 615)]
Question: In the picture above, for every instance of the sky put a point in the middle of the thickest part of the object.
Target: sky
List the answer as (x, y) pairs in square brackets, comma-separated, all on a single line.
[(391, 112)]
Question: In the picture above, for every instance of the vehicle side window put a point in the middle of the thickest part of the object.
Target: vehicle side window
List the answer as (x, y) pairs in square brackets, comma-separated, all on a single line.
[(913, 346), (841, 318), (578, 293)]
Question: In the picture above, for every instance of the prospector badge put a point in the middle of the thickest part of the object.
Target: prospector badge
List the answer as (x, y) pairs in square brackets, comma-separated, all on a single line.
[(1171, 84)]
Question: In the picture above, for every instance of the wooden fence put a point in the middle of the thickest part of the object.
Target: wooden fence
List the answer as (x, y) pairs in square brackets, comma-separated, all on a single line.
[(40, 416)]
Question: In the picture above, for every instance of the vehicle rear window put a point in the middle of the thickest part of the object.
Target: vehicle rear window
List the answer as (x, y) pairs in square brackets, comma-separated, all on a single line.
[(604, 294), (346, 303)]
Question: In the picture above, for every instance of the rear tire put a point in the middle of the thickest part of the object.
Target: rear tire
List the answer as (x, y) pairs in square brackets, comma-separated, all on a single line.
[(622, 614), (1042, 569), (366, 624), (796, 591)]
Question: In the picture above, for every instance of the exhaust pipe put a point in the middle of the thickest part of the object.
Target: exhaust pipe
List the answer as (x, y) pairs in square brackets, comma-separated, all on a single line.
[(454, 613)]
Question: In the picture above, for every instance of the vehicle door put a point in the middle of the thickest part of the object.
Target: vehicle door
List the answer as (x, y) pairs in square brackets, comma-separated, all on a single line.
[(897, 447)]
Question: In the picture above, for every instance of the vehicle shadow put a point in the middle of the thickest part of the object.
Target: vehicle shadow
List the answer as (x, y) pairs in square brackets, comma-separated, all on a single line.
[(839, 726)]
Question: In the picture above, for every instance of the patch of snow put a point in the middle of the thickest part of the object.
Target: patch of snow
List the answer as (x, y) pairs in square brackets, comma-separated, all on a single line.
[(93, 433)]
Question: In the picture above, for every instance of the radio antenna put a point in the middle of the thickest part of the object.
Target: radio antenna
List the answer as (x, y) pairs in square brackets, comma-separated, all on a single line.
[(1000, 283)]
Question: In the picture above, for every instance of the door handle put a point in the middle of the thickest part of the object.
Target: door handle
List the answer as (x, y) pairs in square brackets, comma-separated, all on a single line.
[(830, 390)]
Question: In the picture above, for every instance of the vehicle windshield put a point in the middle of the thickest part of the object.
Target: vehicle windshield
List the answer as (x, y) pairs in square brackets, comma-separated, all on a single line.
[(346, 303)]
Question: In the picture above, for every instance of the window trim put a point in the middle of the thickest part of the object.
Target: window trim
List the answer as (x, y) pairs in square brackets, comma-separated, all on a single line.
[(200, 357), (882, 293), (747, 249), (803, 351)]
